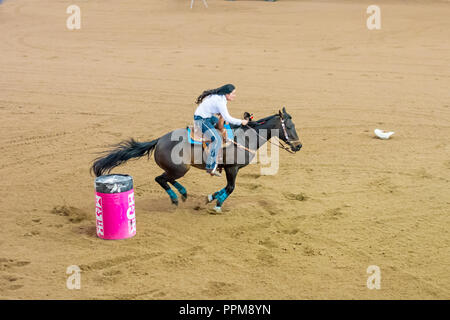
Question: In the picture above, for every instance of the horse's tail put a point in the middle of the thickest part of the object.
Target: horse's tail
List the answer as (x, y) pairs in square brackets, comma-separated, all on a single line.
[(121, 153)]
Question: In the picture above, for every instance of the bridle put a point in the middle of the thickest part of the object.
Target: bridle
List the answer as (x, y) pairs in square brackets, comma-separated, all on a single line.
[(281, 146), (286, 136)]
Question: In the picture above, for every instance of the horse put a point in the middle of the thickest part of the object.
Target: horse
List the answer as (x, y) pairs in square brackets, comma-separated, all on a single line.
[(175, 154)]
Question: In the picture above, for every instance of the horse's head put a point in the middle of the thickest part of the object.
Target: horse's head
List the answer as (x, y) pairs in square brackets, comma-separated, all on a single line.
[(288, 133)]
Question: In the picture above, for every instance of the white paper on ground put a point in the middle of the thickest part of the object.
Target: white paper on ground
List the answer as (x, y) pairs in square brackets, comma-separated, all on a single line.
[(383, 134)]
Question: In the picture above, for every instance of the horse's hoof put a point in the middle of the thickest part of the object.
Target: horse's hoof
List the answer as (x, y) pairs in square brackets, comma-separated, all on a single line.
[(209, 198), (175, 202), (184, 197), (216, 210)]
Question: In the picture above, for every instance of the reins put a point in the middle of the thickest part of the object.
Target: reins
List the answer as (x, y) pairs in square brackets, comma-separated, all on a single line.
[(281, 146), (241, 146)]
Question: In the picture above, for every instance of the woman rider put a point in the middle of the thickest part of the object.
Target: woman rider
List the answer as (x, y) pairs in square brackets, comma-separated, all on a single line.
[(211, 103)]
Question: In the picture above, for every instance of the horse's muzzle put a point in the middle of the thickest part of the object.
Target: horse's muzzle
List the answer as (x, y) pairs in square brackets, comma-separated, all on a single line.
[(296, 147)]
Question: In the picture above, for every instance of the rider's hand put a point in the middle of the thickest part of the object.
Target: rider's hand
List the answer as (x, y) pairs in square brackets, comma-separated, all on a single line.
[(244, 122)]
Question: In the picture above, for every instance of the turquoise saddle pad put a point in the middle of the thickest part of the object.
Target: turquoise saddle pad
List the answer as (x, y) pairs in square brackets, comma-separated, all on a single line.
[(230, 134)]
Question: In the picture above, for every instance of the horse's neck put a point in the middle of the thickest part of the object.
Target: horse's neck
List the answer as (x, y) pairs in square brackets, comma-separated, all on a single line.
[(265, 131)]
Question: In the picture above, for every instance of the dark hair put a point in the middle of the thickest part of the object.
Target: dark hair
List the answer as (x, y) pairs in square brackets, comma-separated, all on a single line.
[(226, 89)]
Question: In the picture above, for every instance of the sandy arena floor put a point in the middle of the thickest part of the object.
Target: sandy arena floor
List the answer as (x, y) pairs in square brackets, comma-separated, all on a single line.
[(344, 202)]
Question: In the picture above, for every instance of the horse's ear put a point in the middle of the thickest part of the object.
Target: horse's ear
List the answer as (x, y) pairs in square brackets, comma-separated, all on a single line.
[(284, 110), (280, 114)]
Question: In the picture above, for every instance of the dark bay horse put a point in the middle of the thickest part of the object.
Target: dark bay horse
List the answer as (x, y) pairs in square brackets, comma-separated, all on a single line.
[(175, 154)]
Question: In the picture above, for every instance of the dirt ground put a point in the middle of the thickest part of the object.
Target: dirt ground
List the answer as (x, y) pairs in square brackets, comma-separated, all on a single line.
[(346, 201)]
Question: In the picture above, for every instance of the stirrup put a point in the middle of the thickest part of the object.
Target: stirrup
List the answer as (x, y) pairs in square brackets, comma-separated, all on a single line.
[(214, 172)]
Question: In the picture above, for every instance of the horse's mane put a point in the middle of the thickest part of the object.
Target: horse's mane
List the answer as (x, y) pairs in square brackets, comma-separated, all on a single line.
[(255, 123), (266, 118)]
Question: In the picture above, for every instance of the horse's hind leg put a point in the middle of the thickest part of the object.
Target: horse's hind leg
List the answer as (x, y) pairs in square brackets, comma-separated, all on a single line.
[(180, 188), (173, 170), (162, 180)]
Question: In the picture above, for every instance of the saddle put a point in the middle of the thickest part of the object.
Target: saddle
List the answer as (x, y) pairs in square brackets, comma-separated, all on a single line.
[(195, 136)]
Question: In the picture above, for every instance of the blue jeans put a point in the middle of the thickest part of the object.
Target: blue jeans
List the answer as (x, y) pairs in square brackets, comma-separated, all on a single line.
[(209, 132)]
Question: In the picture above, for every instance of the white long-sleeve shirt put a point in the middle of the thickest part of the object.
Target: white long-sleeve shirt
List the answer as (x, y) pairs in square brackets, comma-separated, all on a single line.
[(215, 104)]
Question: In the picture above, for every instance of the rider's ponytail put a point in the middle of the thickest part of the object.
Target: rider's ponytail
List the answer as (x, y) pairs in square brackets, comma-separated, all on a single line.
[(226, 89)]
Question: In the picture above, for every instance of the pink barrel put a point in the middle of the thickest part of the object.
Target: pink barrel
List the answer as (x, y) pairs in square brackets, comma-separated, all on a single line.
[(114, 207)]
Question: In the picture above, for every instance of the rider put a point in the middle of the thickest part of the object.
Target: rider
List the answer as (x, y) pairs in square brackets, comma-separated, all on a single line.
[(211, 104)]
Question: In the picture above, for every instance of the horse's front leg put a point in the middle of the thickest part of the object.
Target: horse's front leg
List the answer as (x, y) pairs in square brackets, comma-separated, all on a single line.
[(224, 193)]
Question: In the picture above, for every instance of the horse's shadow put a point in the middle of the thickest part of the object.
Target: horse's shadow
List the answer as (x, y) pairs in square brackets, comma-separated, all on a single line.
[(194, 203)]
